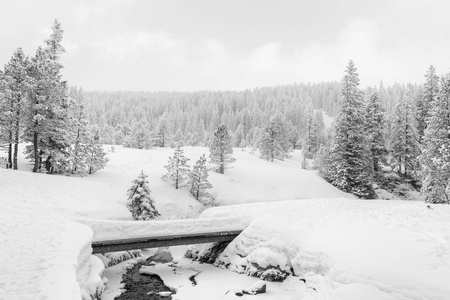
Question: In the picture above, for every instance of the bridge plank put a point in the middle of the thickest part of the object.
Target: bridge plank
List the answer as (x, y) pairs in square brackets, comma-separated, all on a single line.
[(162, 241)]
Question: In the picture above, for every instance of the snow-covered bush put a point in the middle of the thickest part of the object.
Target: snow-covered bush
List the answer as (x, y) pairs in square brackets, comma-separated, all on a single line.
[(140, 202)]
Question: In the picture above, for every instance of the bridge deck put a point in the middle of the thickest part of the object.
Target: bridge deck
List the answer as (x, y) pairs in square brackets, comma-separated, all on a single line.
[(162, 241)]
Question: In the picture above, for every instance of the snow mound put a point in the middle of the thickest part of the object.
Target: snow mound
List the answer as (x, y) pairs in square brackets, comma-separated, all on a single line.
[(348, 249)]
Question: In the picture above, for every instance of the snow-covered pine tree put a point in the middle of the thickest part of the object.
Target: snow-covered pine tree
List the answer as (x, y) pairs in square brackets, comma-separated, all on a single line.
[(404, 137), (311, 140), (198, 182), (274, 142), (177, 139), (220, 149), (16, 92), (239, 138), (177, 168), (79, 150), (350, 163), (140, 203), (293, 135), (162, 132), (375, 124), (435, 158), (47, 117), (430, 91), (96, 157)]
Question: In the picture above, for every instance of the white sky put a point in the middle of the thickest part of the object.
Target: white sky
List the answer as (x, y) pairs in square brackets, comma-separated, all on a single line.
[(232, 44)]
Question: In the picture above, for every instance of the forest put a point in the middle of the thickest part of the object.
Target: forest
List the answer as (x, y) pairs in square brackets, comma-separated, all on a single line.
[(400, 127)]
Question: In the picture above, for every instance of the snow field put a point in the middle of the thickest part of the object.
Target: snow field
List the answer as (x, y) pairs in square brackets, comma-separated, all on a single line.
[(47, 254), (346, 248)]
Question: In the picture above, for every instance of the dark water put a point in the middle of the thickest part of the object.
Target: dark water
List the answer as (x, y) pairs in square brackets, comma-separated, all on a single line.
[(142, 286)]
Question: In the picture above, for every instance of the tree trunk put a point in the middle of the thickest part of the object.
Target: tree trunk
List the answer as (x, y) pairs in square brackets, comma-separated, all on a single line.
[(198, 193), (16, 149), (37, 162), (9, 165)]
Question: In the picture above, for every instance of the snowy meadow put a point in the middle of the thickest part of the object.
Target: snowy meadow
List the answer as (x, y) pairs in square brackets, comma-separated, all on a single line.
[(329, 245)]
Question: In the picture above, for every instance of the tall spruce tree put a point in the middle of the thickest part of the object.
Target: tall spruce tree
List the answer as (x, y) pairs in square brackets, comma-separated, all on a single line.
[(140, 203), (375, 124), (95, 155), (274, 142), (350, 161), (311, 140), (177, 168), (16, 97), (220, 149), (404, 137), (435, 156), (424, 102), (198, 182), (47, 122)]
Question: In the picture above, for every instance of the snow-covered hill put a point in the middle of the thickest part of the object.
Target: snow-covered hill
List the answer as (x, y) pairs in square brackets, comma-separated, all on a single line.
[(46, 253)]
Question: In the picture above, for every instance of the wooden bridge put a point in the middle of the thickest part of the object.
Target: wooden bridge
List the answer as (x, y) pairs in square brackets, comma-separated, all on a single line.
[(162, 241)]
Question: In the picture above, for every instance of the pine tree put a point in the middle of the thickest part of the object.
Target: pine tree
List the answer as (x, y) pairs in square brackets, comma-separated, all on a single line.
[(375, 124), (435, 156), (16, 90), (198, 182), (162, 132), (140, 203), (350, 166), (274, 142), (311, 141), (239, 138), (95, 155), (47, 120), (405, 139), (177, 168), (424, 102), (220, 149), (79, 150)]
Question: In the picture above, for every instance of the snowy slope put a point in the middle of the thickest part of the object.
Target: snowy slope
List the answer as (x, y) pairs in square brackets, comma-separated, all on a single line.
[(46, 254), (348, 249)]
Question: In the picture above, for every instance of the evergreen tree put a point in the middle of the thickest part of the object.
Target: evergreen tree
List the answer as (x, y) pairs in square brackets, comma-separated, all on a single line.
[(239, 138), (140, 203), (375, 124), (293, 135), (78, 153), (95, 155), (311, 141), (177, 139), (198, 182), (274, 141), (177, 168), (220, 149), (162, 132), (350, 166), (404, 138), (16, 90), (435, 156), (424, 102), (47, 120)]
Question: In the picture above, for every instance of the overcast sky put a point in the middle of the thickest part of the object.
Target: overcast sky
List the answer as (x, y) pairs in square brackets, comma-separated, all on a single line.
[(232, 45)]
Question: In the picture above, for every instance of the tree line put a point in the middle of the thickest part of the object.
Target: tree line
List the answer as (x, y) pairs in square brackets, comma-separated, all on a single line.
[(39, 108)]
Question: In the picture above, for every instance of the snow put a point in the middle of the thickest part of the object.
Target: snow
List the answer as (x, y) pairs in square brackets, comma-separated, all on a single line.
[(397, 249), (48, 253), (343, 248)]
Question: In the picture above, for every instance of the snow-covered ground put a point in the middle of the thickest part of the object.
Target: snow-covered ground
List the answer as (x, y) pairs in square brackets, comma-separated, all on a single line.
[(342, 248), (46, 252), (348, 249)]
